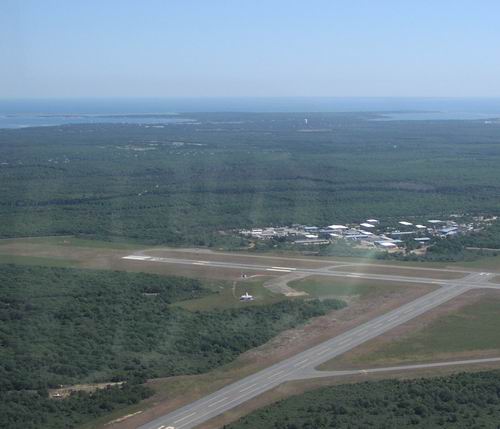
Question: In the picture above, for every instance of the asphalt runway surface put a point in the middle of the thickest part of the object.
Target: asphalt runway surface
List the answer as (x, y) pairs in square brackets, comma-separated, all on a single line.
[(302, 365), (333, 271)]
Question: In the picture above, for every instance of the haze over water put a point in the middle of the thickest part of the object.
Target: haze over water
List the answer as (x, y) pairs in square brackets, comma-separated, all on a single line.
[(45, 112)]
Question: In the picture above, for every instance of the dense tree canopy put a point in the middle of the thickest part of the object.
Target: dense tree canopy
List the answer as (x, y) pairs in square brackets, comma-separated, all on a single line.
[(184, 182), (461, 401), (66, 326)]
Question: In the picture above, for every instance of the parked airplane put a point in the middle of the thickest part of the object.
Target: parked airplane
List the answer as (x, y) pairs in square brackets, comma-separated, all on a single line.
[(246, 297)]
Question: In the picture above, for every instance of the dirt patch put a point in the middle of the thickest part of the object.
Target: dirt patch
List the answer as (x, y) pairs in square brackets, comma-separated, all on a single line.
[(354, 358), (64, 392), (121, 419)]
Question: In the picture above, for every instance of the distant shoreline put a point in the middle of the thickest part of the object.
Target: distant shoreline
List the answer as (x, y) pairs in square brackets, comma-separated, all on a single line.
[(22, 113)]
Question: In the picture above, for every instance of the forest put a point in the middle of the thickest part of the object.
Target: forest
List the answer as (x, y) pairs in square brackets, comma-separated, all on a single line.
[(34, 409), (182, 183), (462, 401), (62, 326)]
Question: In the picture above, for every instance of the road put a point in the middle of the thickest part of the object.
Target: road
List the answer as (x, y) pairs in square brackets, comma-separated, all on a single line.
[(303, 364)]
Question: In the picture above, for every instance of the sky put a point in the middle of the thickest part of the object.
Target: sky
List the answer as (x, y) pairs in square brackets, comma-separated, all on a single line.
[(177, 48)]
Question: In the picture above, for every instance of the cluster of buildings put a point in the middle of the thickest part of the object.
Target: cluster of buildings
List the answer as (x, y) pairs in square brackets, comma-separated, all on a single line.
[(391, 236)]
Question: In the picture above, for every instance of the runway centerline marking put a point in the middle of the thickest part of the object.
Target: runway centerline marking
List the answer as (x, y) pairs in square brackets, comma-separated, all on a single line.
[(248, 387), (185, 417), (218, 402), (276, 374)]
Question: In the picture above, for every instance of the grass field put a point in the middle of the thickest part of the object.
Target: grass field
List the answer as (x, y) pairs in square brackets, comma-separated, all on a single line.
[(228, 294), (227, 291), (79, 250), (483, 263), (469, 331), (410, 272), (71, 241), (328, 287), (36, 260)]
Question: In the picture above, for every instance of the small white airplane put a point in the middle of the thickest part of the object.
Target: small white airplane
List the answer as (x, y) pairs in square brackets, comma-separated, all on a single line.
[(246, 297)]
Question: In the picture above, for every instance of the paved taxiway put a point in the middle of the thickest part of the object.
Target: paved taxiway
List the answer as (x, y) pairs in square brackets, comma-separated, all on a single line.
[(302, 364), (316, 374)]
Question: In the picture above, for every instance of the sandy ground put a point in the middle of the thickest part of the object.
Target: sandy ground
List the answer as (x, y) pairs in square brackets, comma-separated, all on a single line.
[(65, 391)]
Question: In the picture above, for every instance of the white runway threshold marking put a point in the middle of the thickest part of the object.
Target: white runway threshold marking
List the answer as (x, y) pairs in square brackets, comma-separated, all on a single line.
[(284, 268), (137, 257), (280, 270)]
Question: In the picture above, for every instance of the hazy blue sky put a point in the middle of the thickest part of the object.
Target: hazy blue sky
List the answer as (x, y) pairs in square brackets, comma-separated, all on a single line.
[(258, 48)]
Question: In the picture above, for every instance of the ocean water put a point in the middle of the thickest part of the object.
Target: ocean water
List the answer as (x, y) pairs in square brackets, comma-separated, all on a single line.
[(24, 120), (45, 112)]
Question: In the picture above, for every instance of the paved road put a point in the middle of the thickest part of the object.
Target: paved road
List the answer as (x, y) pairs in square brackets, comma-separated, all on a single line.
[(302, 365)]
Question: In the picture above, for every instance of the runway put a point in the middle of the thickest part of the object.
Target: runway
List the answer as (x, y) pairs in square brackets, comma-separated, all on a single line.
[(332, 271), (303, 364)]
